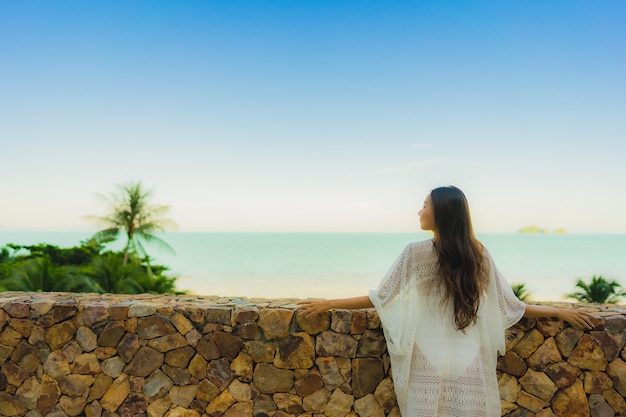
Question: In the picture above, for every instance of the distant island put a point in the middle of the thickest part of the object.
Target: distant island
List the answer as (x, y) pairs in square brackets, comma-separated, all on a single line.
[(539, 230)]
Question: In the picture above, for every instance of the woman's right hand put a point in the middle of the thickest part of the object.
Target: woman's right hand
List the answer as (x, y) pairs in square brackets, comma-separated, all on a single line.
[(310, 308), (314, 307)]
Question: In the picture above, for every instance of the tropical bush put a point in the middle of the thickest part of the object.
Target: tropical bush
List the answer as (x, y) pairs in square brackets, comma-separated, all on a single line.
[(40, 274), (598, 290), (85, 268)]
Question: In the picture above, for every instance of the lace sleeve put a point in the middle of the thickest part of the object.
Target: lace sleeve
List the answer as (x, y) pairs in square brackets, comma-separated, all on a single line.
[(511, 308), (396, 277)]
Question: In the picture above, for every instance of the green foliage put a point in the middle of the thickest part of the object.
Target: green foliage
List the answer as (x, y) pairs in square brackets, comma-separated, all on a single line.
[(84, 268), (598, 290), (6, 256), (5, 271), (520, 291), (78, 255), (110, 275), (7, 261), (159, 284), (40, 274)]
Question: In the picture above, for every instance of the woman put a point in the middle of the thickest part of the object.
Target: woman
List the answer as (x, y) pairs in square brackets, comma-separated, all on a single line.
[(445, 307)]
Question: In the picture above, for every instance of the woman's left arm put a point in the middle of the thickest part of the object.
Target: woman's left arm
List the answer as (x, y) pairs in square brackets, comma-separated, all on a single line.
[(576, 318)]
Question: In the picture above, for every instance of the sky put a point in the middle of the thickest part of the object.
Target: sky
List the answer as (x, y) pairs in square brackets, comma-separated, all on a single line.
[(314, 116)]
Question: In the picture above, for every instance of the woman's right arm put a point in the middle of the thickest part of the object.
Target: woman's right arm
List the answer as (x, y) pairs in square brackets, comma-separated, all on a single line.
[(314, 307), (387, 289)]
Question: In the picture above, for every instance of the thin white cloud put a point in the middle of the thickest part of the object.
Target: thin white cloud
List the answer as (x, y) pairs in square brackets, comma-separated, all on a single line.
[(405, 167), (557, 204), (410, 166), (357, 204)]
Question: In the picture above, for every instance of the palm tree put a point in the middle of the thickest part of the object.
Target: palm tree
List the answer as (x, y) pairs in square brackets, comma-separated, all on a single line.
[(131, 213), (599, 290), (520, 291)]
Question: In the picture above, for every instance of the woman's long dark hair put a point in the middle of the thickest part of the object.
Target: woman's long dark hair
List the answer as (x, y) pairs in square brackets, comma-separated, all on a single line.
[(459, 254)]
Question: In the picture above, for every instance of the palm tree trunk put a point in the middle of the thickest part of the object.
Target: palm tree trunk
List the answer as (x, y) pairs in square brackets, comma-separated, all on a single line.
[(130, 242), (125, 260)]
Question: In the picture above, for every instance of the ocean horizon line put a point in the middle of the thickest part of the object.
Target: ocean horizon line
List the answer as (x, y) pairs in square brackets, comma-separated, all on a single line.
[(330, 264), (311, 232)]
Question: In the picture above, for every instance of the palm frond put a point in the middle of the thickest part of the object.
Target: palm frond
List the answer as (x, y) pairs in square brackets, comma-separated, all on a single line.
[(106, 235), (152, 239), (520, 291), (112, 276)]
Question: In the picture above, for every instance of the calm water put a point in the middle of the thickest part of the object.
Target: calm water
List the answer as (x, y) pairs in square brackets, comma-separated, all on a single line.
[(341, 265)]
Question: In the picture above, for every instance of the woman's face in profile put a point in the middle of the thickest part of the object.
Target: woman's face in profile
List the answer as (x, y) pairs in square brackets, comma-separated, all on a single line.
[(427, 217)]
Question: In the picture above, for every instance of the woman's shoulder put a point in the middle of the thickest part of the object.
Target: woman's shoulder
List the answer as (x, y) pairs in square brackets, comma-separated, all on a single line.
[(484, 249), (420, 247), (486, 255)]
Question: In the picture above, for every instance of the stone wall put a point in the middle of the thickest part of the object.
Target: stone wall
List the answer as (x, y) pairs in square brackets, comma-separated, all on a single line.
[(112, 355)]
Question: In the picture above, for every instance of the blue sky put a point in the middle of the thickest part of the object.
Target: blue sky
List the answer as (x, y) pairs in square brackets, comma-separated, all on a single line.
[(314, 115)]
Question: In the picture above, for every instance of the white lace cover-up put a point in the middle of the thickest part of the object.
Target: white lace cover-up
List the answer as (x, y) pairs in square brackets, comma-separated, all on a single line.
[(437, 370)]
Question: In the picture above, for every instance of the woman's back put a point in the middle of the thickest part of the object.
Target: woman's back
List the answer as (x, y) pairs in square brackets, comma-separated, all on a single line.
[(439, 370)]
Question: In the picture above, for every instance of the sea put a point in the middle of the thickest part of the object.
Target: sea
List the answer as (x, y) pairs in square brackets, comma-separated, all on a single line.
[(329, 265)]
